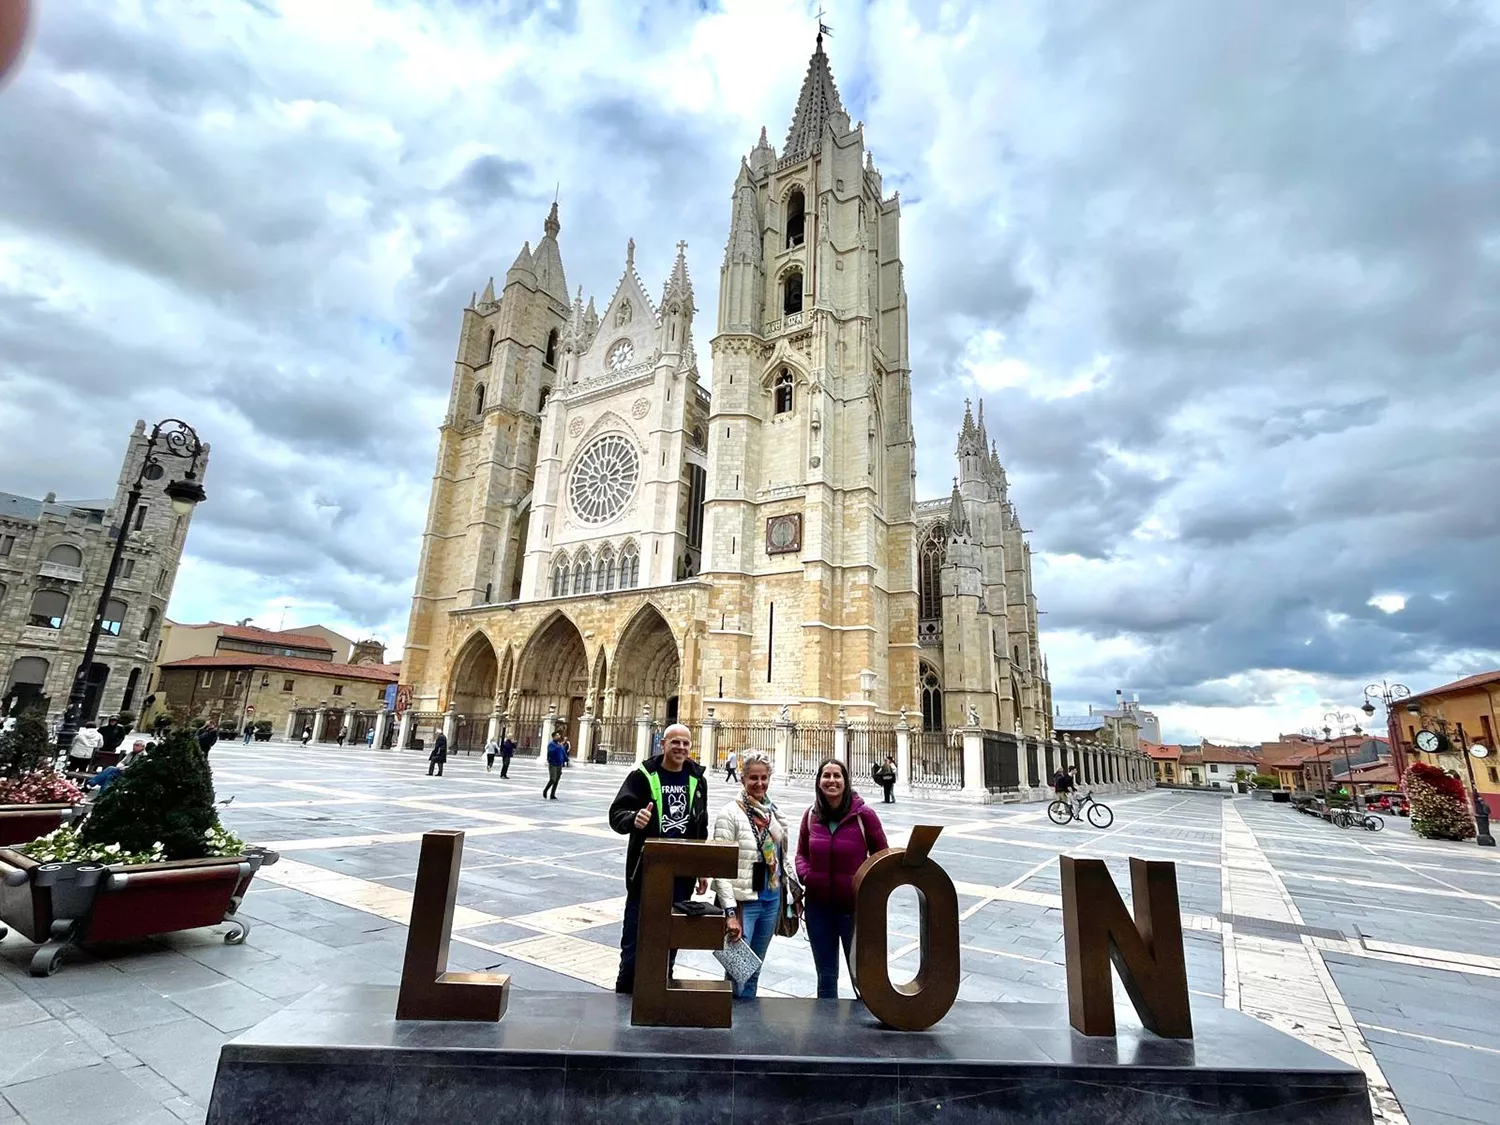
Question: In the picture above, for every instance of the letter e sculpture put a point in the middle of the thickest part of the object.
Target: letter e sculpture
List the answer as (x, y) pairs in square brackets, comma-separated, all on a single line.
[(930, 994), (1146, 950), (428, 990), (659, 1001)]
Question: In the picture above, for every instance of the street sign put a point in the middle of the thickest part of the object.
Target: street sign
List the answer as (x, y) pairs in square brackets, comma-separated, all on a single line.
[(250, 710), (1479, 750)]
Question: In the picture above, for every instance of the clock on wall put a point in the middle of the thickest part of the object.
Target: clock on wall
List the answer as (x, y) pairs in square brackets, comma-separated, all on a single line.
[(1429, 741), (784, 534)]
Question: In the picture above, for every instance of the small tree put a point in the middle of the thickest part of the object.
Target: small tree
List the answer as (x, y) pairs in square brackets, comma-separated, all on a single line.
[(166, 797), (26, 748), (1265, 781), (1438, 806)]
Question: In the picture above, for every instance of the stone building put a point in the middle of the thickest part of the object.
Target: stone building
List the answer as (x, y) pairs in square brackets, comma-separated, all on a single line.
[(606, 537), (54, 556)]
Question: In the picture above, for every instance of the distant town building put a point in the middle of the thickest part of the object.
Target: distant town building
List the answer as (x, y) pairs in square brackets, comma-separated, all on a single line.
[(1467, 712), (54, 556)]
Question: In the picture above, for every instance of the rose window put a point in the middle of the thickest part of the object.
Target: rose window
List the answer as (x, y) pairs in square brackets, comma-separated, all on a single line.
[(603, 479)]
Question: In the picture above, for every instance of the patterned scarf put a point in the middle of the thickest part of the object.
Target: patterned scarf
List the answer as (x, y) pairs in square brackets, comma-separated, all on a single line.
[(759, 816)]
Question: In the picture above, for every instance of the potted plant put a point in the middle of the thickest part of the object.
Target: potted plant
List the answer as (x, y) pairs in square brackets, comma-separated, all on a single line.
[(150, 858), (34, 798), (1439, 805)]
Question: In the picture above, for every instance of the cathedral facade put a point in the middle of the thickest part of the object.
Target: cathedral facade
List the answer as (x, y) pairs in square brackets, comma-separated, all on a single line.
[(607, 538)]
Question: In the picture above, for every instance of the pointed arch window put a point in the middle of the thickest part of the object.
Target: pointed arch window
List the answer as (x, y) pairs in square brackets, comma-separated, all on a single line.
[(604, 571), (930, 556), (791, 293), (782, 393), (479, 400), (932, 698), (489, 347), (583, 574), (560, 576), (550, 359), (796, 218), (630, 567)]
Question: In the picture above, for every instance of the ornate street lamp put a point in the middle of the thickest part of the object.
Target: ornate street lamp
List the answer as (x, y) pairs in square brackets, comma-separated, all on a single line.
[(1340, 719), (1388, 694), (169, 438), (1436, 727)]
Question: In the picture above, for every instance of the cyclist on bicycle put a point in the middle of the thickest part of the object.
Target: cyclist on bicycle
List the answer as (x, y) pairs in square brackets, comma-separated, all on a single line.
[(1063, 787)]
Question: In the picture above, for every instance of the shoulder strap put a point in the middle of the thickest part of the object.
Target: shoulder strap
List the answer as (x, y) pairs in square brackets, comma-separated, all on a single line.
[(692, 790), (654, 783), (860, 817)]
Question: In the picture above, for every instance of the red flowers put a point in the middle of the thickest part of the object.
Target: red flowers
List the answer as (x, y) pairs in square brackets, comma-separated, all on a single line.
[(40, 787)]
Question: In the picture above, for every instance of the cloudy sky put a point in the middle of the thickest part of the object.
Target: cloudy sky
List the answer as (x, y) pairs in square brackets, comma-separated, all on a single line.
[(1226, 275)]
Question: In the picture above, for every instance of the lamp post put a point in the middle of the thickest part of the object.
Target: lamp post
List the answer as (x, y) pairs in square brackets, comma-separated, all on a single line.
[(1389, 694), (1340, 719), (169, 438), (1478, 807)]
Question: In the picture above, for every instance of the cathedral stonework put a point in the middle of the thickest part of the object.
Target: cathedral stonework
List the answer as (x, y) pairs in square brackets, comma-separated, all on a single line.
[(604, 537)]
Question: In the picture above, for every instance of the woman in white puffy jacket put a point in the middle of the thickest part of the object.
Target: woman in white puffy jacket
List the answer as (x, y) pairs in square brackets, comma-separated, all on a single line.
[(752, 899)]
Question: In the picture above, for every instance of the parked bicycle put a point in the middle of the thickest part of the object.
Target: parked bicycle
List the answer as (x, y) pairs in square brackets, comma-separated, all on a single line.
[(1349, 818), (1063, 811)]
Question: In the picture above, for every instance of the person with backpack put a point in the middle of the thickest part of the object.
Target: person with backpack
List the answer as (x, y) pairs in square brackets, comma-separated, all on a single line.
[(885, 777), (752, 900), (665, 797), (838, 832)]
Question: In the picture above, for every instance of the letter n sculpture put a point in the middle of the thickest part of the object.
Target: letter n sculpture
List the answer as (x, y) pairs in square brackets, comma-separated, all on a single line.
[(919, 1004), (1146, 949), (428, 990)]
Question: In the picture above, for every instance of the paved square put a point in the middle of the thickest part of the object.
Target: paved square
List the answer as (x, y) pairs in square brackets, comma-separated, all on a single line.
[(1379, 948)]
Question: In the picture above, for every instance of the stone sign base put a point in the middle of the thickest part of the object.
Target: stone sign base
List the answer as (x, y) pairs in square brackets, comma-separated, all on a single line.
[(338, 1057)]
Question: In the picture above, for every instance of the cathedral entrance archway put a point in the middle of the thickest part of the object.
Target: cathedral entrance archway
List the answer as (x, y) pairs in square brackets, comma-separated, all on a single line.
[(475, 678), (553, 671), (648, 668)]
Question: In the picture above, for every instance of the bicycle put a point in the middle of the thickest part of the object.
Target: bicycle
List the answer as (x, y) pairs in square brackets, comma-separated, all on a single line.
[(1062, 811), (1347, 818)]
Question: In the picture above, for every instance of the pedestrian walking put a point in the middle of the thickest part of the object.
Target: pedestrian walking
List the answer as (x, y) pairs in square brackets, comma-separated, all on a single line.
[(439, 754), (885, 777), (752, 899), (507, 752), (343, 734), (249, 732), (208, 734), (111, 735), (665, 797), (838, 833), (306, 735), (491, 748), (86, 743), (557, 760), (732, 767)]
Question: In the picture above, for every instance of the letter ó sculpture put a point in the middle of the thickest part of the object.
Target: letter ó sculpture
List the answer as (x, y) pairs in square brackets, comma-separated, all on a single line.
[(428, 990), (920, 1004)]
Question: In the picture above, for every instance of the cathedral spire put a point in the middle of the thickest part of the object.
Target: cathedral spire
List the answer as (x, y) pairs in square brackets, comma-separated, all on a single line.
[(488, 296), (547, 261), (679, 286), (817, 103), (969, 443), (552, 226), (958, 518), (521, 268)]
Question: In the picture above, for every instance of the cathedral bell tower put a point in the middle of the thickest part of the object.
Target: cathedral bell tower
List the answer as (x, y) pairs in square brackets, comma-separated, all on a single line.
[(810, 546)]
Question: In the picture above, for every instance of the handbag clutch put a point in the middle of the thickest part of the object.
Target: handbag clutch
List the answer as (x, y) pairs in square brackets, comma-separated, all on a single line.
[(739, 961)]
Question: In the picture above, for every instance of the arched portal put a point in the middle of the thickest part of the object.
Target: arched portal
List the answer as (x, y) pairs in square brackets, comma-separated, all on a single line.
[(552, 671), (475, 677), (647, 667)]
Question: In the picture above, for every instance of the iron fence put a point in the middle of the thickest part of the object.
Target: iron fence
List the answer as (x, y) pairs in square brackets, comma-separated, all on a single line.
[(1033, 765), (361, 723), (1001, 769), (425, 726), (810, 744), (867, 745), (524, 725), (738, 735), (937, 760), (468, 734), (613, 740)]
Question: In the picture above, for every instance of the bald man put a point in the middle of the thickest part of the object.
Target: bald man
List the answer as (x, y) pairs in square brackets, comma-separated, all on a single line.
[(664, 797)]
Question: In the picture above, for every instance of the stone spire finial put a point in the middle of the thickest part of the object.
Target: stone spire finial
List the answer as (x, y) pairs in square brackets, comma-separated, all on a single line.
[(630, 254), (488, 296), (958, 518), (968, 434), (679, 286), (523, 262), (818, 101), (552, 226)]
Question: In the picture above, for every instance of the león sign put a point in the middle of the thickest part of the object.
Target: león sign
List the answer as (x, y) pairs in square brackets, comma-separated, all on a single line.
[(1146, 950)]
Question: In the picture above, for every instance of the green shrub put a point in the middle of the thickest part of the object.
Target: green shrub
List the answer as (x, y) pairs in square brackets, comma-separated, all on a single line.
[(28, 747), (1265, 781), (165, 799)]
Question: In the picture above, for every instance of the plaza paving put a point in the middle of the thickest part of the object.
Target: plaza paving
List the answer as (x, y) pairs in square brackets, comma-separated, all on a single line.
[(1382, 949)]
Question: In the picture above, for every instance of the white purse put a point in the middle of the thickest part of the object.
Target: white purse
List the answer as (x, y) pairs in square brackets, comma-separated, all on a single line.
[(739, 960)]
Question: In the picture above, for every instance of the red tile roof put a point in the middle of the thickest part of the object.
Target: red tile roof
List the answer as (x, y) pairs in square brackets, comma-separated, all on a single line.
[(1161, 752), (379, 673), (272, 637), (1483, 679), (1236, 755)]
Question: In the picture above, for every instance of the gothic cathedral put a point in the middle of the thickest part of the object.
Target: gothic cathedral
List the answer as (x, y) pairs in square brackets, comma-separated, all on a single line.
[(605, 537)]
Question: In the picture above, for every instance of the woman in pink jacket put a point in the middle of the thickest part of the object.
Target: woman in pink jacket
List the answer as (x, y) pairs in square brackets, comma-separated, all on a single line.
[(838, 832)]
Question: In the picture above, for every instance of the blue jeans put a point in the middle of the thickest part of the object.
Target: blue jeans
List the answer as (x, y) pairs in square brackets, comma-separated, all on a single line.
[(758, 920), (827, 929)]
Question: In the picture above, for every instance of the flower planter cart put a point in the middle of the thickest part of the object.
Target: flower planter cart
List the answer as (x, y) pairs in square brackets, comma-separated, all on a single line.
[(21, 824), (66, 904)]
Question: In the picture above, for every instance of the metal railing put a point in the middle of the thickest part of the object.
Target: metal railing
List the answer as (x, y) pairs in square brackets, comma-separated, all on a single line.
[(614, 740), (937, 760), (738, 735), (810, 743), (868, 744)]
